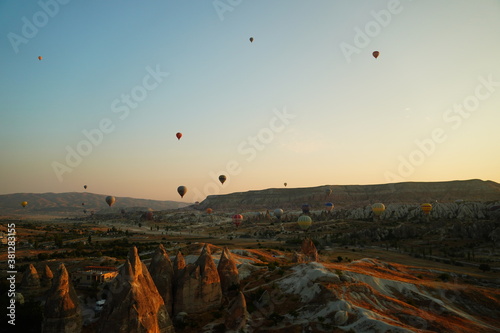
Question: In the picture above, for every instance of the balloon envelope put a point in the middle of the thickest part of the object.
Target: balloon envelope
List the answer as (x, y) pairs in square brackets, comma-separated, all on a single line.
[(304, 222), (329, 206), (251, 39), (278, 212), (305, 208), (24, 203), (328, 191), (85, 186), (378, 208), (40, 58), (182, 190), (237, 219), (222, 179), (426, 208), (110, 200), (178, 135), (285, 184), (376, 54), (209, 210)]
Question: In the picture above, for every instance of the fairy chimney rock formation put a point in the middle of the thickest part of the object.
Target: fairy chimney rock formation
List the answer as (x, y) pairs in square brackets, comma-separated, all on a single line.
[(309, 250), (237, 313), (62, 312), (228, 272), (134, 304), (31, 278), (162, 272), (47, 276), (179, 264), (198, 288)]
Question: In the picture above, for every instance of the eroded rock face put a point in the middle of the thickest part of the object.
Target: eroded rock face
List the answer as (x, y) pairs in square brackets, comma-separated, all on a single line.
[(228, 272), (134, 304), (162, 272), (237, 313), (309, 250), (31, 279), (47, 276), (62, 312), (198, 288)]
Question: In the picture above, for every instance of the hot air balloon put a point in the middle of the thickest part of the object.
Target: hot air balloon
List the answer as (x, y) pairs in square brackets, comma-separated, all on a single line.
[(304, 222), (83, 203), (149, 216), (426, 208), (278, 212), (378, 209), (209, 210), (40, 58), (328, 191), (329, 206), (285, 184), (110, 200), (237, 219), (306, 208), (222, 179), (376, 54), (178, 135), (24, 203), (251, 39), (85, 186), (182, 190)]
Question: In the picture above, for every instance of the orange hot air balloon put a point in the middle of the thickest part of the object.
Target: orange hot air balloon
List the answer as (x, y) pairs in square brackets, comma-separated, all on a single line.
[(251, 39), (237, 219), (426, 208), (209, 210), (182, 190), (110, 200), (24, 203), (178, 135), (222, 179), (40, 58), (376, 54)]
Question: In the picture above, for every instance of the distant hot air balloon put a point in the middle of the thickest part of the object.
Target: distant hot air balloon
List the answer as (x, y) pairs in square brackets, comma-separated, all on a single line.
[(426, 208), (329, 206), (278, 212), (40, 58), (149, 216), (85, 186), (237, 219), (376, 54), (251, 39), (306, 208), (24, 203), (222, 179), (83, 203), (209, 210), (328, 191), (304, 222), (182, 190), (285, 184), (110, 200), (378, 209), (178, 135)]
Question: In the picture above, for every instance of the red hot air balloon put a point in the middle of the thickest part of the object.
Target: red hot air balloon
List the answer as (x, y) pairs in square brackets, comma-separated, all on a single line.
[(237, 219), (376, 54), (178, 135), (40, 58)]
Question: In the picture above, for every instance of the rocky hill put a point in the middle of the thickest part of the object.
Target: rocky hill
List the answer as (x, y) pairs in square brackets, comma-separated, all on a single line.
[(72, 203), (351, 196)]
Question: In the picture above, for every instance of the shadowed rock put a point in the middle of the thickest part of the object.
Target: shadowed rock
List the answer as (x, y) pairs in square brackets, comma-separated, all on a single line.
[(179, 264), (228, 272), (31, 279), (198, 288), (134, 304), (309, 250), (237, 313), (62, 312), (162, 272)]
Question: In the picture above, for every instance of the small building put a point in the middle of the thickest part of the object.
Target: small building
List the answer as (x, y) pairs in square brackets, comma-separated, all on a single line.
[(94, 275)]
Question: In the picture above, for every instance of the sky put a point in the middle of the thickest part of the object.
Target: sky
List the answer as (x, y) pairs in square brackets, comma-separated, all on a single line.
[(305, 103)]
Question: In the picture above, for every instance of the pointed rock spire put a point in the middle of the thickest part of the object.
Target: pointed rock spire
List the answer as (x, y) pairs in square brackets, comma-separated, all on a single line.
[(162, 272), (62, 311), (237, 313), (47, 276), (31, 279), (228, 272), (309, 250)]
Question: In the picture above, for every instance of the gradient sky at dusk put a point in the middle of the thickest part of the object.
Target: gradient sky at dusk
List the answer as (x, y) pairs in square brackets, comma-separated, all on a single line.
[(306, 103)]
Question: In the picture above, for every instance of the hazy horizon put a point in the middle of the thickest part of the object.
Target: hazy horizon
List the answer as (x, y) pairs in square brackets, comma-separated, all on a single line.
[(305, 103)]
